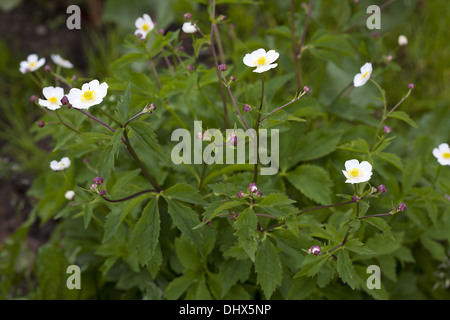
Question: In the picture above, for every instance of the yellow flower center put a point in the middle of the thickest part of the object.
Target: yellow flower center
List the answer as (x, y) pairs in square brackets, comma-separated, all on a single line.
[(365, 75), (52, 99), (354, 173), (145, 27), (88, 95), (261, 61), (32, 64), (446, 155)]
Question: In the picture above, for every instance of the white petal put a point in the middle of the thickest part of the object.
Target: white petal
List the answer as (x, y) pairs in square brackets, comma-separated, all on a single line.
[(59, 92), (249, 61), (32, 57), (85, 87), (102, 90), (367, 67), (258, 53), (272, 55), (437, 153), (351, 164), (365, 167), (48, 92), (94, 84), (139, 22), (358, 81), (44, 103), (443, 147)]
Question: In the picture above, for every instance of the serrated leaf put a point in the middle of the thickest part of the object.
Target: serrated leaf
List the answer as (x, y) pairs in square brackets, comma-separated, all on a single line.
[(311, 265), (109, 154), (144, 133), (184, 192), (123, 106), (391, 158), (245, 225), (380, 224), (358, 247), (313, 181), (345, 269), (276, 199), (268, 267), (400, 115), (179, 285), (186, 219), (145, 234), (231, 271)]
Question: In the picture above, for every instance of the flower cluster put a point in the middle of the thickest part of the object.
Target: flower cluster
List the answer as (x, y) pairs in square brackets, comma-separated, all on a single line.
[(252, 190), (33, 63)]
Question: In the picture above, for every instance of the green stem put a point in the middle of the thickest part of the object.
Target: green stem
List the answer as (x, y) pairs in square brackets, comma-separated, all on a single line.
[(65, 124), (258, 121), (374, 140)]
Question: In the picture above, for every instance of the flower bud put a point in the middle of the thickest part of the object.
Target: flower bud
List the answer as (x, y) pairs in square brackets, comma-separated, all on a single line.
[(69, 106), (94, 187), (402, 207), (387, 129), (402, 40), (411, 86), (232, 78), (74, 77), (222, 67), (41, 124), (34, 98), (181, 49), (190, 67), (161, 31), (247, 108), (64, 101), (259, 193), (307, 89), (139, 36), (69, 195), (355, 198), (382, 188), (252, 187), (98, 181), (188, 16), (47, 68), (102, 193), (85, 160), (152, 107), (315, 250), (208, 223), (240, 194)]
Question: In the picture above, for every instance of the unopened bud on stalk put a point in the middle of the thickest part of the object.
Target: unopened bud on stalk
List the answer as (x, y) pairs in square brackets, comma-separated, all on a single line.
[(188, 16), (411, 86), (190, 67), (307, 89), (355, 198), (98, 181), (64, 101), (247, 108), (222, 67), (240, 194), (315, 250), (232, 78), (47, 68), (41, 124), (102, 193), (34, 98), (387, 129), (402, 207), (382, 188)]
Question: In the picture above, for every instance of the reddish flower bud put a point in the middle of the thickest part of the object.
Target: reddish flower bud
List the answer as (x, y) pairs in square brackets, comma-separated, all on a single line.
[(381, 188), (64, 101), (98, 180), (240, 194), (102, 193), (190, 67), (411, 86), (307, 89), (402, 207), (314, 250), (34, 98), (232, 78), (41, 124), (247, 108), (387, 129), (47, 68), (188, 16), (222, 67)]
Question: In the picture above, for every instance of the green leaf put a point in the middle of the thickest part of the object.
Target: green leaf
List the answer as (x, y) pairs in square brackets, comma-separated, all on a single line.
[(186, 219), (127, 59), (391, 158), (87, 215), (245, 225), (380, 224), (437, 250), (179, 285), (145, 234), (109, 154), (144, 133), (184, 192), (219, 207), (359, 145), (400, 115), (345, 269), (123, 106), (314, 145), (411, 174), (313, 181), (231, 271), (311, 265), (276, 199), (268, 267), (358, 247), (188, 254)]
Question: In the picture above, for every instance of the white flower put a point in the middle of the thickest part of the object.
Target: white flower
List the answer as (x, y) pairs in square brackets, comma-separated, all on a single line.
[(402, 40), (91, 94), (69, 195), (60, 165), (442, 154), (60, 61), (356, 172), (31, 64), (261, 60), (144, 25), (189, 27), (53, 96), (361, 78)]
